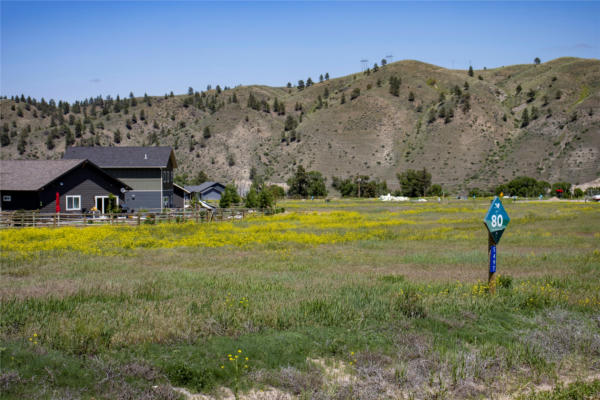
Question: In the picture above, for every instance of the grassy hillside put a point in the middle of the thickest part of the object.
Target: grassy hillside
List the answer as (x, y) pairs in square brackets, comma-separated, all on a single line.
[(467, 137)]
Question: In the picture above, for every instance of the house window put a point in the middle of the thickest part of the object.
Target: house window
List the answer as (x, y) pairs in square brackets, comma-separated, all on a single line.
[(6, 198), (73, 203)]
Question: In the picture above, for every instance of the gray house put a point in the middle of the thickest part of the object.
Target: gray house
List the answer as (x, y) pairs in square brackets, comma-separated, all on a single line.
[(147, 170), (79, 186), (207, 191)]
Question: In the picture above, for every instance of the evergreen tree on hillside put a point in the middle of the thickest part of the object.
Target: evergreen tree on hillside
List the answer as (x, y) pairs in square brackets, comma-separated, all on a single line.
[(524, 118), (395, 83), (290, 123), (321, 78), (300, 84), (309, 82), (470, 70), (327, 76)]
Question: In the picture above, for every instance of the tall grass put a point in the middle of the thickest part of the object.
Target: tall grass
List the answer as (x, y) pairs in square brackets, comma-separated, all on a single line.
[(400, 286)]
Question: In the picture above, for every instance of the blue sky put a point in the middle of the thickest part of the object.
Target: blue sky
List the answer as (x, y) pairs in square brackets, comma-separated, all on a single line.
[(73, 50)]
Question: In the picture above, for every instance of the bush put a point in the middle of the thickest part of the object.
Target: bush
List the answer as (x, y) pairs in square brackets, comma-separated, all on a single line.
[(505, 281), (196, 378), (409, 303), (523, 186), (414, 183), (435, 190)]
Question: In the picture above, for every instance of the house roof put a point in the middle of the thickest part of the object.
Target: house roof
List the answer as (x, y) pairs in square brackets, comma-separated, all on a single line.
[(180, 188), (124, 157), (203, 187), (32, 175)]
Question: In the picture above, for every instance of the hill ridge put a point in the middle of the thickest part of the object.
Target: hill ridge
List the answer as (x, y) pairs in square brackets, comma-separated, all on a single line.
[(469, 131)]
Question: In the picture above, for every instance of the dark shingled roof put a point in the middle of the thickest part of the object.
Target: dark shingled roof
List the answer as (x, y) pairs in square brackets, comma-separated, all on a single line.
[(124, 157), (32, 175), (203, 187)]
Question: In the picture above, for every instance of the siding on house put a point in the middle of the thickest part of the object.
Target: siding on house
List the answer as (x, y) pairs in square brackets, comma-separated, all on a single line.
[(83, 182), (20, 200), (181, 196), (211, 194), (139, 200), (138, 179)]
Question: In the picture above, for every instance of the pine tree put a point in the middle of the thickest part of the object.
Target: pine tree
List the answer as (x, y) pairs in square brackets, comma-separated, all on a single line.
[(524, 118), (22, 143), (290, 123), (78, 129), (395, 83), (327, 76), (321, 78), (470, 70), (309, 82)]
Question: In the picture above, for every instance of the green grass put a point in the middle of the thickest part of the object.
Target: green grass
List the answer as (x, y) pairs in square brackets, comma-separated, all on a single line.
[(414, 308)]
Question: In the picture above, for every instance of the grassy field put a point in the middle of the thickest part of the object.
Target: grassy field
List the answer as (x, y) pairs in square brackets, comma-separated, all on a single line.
[(345, 299)]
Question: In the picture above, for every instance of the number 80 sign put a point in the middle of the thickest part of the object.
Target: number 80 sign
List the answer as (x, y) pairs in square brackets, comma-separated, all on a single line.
[(496, 220)]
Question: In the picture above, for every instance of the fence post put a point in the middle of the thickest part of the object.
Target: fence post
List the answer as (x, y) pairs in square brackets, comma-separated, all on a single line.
[(54, 220)]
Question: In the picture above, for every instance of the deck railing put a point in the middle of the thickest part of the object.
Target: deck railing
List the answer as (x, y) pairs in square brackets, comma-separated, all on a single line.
[(10, 219)]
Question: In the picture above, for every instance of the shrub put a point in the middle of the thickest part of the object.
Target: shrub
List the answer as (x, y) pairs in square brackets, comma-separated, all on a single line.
[(505, 281), (409, 303)]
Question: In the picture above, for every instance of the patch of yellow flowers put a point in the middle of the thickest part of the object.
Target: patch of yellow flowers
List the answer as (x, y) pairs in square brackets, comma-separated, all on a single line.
[(309, 229)]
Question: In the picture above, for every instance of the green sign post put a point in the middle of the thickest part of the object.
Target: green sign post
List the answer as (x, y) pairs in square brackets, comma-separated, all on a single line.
[(496, 220)]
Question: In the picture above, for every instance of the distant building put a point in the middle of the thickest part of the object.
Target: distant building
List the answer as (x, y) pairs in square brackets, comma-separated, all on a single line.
[(181, 196), (79, 184), (147, 170), (207, 191)]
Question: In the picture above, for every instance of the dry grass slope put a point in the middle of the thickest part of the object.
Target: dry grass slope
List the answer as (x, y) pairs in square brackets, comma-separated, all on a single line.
[(376, 134)]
